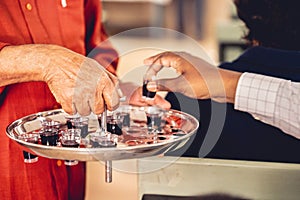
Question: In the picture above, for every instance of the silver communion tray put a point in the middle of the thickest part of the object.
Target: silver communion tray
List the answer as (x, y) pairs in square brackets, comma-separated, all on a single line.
[(185, 126)]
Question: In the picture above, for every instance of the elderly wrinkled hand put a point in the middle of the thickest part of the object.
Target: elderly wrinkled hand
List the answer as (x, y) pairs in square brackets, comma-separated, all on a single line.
[(79, 83)]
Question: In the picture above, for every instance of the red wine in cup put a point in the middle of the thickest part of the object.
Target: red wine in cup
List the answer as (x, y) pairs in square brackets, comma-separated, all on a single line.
[(146, 92)]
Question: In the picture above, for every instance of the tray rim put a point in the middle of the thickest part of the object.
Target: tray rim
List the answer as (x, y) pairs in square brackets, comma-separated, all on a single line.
[(89, 151)]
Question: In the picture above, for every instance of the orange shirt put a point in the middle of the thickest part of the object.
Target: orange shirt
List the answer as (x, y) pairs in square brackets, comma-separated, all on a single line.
[(77, 27)]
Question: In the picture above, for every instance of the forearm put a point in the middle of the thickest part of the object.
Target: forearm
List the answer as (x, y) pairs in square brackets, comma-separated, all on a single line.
[(21, 64), (37, 62), (230, 81)]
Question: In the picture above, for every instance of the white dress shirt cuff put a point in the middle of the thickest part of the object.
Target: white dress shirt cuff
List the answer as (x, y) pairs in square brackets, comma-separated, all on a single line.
[(256, 94)]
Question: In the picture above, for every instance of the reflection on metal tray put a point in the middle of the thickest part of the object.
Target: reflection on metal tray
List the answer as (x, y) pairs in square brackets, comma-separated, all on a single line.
[(183, 127)]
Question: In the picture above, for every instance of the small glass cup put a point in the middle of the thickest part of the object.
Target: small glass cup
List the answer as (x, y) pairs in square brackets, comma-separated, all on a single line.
[(31, 138), (49, 136), (70, 120), (123, 115), (114, 125), (155, 119), (103, 141), (71, 138), (50, 124), (82, 123), (149, 81), (107, 142), (137, 134), (77, 122)]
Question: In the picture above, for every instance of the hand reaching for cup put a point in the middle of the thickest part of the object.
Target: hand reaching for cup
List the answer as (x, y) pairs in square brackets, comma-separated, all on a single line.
[(83, 82), (78, 83), (197, 78)]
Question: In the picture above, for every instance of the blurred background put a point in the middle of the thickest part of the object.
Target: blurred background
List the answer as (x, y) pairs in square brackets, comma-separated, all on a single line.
[(212, 23)]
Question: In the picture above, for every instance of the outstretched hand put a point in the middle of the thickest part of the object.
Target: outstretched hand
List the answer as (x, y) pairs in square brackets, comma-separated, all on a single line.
[(197, 78)]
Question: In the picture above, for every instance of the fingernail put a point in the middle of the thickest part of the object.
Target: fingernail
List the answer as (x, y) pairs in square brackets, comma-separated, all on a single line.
[(120, 93), (152, 86)]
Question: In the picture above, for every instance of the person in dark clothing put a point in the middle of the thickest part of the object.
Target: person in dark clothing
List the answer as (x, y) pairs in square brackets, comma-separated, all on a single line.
[(274, 51)]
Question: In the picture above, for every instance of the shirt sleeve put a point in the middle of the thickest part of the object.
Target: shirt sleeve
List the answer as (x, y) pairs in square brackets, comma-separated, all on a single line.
[(271, 100), (2, 44), (97, 44)]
